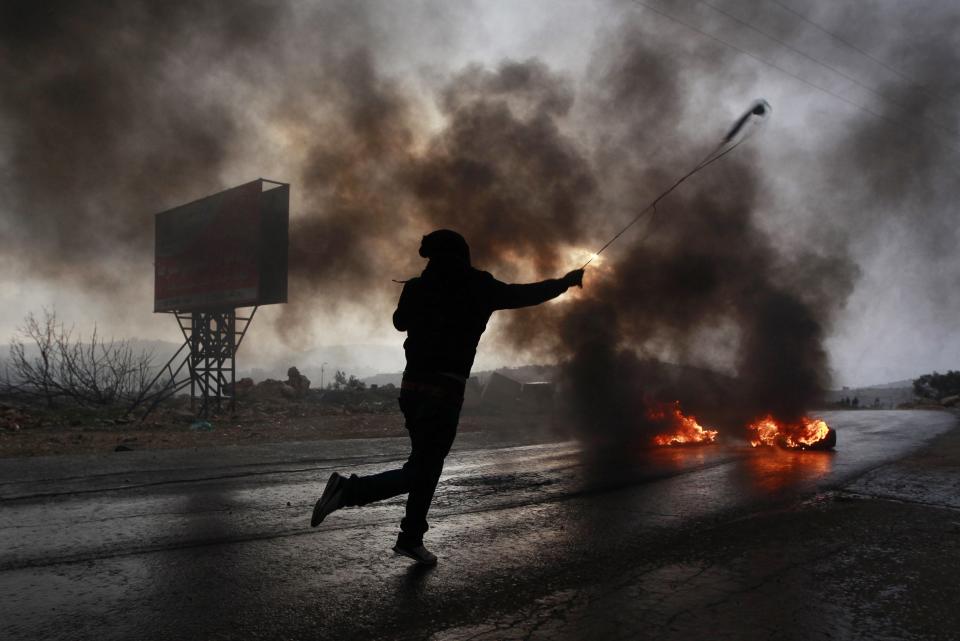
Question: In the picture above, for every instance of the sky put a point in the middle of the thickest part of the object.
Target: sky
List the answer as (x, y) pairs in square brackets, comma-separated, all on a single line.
[(117, 112)]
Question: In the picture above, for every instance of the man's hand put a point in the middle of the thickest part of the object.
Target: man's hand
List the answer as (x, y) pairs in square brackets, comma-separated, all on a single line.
[(574, 278)]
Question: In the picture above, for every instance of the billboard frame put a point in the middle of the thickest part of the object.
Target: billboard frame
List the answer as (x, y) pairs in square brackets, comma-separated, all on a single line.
[(226, 250)]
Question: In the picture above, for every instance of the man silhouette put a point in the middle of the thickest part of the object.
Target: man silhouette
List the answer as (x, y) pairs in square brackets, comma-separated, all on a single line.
[(444, 312)]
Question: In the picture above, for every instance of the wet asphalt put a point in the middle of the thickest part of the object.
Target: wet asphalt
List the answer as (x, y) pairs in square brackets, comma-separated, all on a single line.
[(216, 543)]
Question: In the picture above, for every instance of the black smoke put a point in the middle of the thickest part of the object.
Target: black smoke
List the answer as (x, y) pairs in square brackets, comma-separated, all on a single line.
[(108, 116), (111, 111)]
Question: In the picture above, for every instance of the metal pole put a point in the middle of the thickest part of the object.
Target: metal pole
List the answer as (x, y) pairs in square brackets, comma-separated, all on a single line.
[(232, 342), (194, 358)]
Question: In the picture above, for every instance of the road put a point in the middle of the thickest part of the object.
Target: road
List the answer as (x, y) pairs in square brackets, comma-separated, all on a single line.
[(215, 544)]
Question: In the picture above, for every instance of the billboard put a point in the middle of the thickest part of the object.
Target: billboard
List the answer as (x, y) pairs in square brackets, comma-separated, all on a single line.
[(224, 251)]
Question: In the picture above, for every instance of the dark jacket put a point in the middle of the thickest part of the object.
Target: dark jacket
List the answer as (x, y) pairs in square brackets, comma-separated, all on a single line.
[(446, 310)]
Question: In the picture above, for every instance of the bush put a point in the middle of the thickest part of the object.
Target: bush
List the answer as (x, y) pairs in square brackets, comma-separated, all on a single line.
[(937, 386), (341, 382)]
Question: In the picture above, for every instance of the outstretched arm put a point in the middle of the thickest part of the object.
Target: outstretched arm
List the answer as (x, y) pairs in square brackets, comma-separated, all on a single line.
[(513, 296)]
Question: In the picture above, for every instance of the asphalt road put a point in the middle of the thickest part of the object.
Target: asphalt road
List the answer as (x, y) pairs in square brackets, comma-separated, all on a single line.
[(215, 544)]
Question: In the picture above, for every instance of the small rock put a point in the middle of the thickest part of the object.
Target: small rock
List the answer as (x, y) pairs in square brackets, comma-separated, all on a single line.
[(242, 386), (122, 448), (201, 426)]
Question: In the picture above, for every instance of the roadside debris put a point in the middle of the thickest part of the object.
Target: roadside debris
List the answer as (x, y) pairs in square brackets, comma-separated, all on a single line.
[(201, 426)]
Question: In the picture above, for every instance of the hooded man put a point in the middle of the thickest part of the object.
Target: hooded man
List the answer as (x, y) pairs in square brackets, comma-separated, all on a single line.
[(444, 312)]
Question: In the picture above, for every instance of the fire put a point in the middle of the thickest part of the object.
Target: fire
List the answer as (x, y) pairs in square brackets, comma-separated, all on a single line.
[(579, 256), (805, 434), (681, 429)]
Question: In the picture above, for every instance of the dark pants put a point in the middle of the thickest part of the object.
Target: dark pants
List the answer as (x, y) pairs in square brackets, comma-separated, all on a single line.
[(431, 420)]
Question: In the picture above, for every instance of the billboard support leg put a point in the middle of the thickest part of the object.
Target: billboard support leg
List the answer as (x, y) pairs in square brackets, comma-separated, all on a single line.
[(211, 340), (213, 353)]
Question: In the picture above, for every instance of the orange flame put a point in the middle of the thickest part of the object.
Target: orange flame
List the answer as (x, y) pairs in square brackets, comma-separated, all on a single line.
[(682, 429), (801, 435)]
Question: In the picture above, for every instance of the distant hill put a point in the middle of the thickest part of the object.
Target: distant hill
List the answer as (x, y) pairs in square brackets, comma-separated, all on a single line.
[(907, 382), (883, 396), (534, 373), (161, 351), (524, 374)]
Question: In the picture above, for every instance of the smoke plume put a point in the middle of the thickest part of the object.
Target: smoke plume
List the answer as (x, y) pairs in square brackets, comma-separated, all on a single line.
[(106, 118), (112, 111)]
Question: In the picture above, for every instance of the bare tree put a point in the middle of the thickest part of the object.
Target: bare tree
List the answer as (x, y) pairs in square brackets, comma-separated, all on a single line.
[(32, 374), (48, 362)]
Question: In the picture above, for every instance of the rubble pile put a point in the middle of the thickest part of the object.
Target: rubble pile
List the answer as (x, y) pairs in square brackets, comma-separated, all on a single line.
[(297, 386), (297, 382)]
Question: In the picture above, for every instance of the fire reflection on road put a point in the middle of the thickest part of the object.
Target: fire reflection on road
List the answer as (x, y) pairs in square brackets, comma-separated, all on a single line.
[(738, 471), (680, 458), (776, 469)]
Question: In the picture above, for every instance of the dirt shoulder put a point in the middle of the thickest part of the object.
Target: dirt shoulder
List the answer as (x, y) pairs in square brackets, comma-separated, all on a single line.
[(40, 433)]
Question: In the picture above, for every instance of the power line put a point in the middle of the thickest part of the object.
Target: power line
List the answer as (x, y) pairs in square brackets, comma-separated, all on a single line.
[(849, 44), (761, 60), (806, 56), (775, 66)]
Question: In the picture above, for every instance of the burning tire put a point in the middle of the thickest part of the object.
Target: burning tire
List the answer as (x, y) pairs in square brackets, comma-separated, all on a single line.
[(805, 434)]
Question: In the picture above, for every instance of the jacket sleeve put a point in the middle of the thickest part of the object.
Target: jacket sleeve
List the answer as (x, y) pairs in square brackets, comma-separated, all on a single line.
[(407, 308), (504, 296)]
